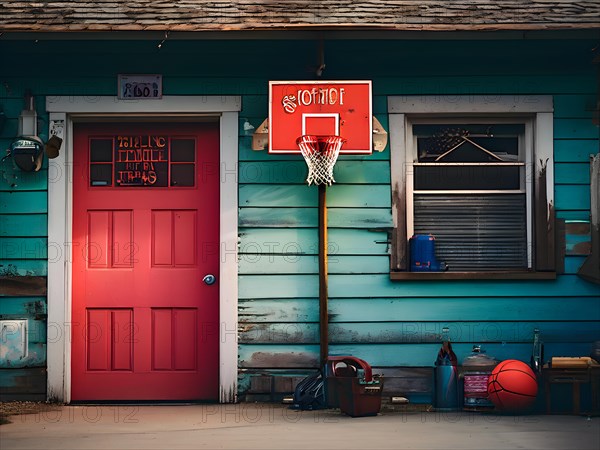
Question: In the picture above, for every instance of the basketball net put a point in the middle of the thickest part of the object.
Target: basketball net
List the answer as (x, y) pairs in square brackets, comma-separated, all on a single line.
[(320, 154)]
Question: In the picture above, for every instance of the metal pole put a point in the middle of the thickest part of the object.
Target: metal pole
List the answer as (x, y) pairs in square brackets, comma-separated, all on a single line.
[(323, 294)]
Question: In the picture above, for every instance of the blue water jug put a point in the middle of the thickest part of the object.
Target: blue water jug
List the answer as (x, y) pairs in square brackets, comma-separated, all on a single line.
[(422, 254)]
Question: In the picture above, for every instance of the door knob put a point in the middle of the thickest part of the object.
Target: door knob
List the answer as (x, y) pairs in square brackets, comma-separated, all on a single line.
[(209, 279)]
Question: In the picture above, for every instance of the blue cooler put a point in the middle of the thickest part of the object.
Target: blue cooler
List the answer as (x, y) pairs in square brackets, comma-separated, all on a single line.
[(422, 254)]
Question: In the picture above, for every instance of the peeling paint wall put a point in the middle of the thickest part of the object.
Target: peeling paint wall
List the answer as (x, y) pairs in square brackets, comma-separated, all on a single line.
[(395, 325)]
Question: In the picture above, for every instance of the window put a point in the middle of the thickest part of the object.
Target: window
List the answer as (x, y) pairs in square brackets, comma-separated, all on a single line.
[(142, 161), (476, 174)]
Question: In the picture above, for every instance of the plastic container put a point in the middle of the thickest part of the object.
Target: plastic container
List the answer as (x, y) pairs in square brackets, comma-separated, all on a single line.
[(422, 254), (352, 387), (477, 369)]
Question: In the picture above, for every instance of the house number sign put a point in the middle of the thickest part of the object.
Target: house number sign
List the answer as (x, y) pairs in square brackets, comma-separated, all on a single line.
[(140, 87), (141, 160)]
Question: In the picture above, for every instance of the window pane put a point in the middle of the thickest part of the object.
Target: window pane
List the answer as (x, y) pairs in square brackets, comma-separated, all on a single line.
[(101, 150), (182, 174), (100, 174), (183, 150), (468, 142), (446, 177)]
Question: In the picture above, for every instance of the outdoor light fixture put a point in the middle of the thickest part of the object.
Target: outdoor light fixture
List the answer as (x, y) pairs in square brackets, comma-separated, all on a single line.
[(27, 152)]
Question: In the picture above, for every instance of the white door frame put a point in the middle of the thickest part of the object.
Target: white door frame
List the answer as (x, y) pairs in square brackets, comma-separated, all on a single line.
[(63, 110)]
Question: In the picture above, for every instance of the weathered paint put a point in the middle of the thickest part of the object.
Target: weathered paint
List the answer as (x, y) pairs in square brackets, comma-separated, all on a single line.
[(379, 285), (278, 214), (578, 238), (23, 384), (439, 311), (23, 271), (304, 241), (22, 343), (388, 355), (482, 332)]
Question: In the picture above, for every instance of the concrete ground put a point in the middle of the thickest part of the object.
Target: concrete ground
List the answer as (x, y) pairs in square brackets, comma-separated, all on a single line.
[(273, 426)]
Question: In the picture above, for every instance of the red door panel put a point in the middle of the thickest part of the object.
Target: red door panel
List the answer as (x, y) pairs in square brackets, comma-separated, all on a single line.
[(145, 204)]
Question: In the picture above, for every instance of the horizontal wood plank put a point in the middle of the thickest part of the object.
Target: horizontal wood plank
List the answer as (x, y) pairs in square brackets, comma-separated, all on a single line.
[(23, 306), (21, 225), (394, 355), (24, 267), (23, 202), (277, 196), (22, 286), (278, 264), (579, 128), (369, 218), (338, 195), (23, 248), (420, 332), (436, 309), (370, 286), (574, 150), (25, 181), (359, 196), (23, 384), (278, 217), (580, 215), (298, 264), (572, 173), (390, 355), (295, 172), (292, 241), (278, 356), (284, 310), (574, 106), (572, 197)]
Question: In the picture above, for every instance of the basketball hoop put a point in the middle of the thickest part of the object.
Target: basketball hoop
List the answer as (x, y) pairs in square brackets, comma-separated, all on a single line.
[(320, 154)]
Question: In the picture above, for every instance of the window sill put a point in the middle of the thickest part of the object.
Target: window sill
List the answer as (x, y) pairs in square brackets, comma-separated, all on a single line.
[(498, 275)]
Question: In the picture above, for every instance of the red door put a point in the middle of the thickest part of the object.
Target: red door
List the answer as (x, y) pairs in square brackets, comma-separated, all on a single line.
[(145, 235)]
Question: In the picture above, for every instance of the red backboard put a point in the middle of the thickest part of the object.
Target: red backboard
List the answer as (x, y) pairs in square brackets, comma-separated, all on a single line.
[(339, 108)]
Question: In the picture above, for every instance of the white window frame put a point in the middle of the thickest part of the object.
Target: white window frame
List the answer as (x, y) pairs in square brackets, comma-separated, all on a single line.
[(525, 156), (535, 111)]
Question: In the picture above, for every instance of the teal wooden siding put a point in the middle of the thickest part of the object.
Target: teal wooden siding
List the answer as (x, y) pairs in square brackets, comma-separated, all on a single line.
[(23, 253), (23, 199), (390, 324), (394, 324)]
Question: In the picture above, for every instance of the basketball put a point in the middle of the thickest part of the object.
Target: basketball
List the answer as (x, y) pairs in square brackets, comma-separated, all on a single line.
[(512, 386)]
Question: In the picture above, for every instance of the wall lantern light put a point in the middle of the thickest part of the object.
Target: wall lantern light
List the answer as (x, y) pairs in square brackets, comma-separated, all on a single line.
[(27, 152)]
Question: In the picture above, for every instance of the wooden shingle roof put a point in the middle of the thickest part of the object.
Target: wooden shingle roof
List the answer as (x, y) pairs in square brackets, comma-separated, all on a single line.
[(215, 15)]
